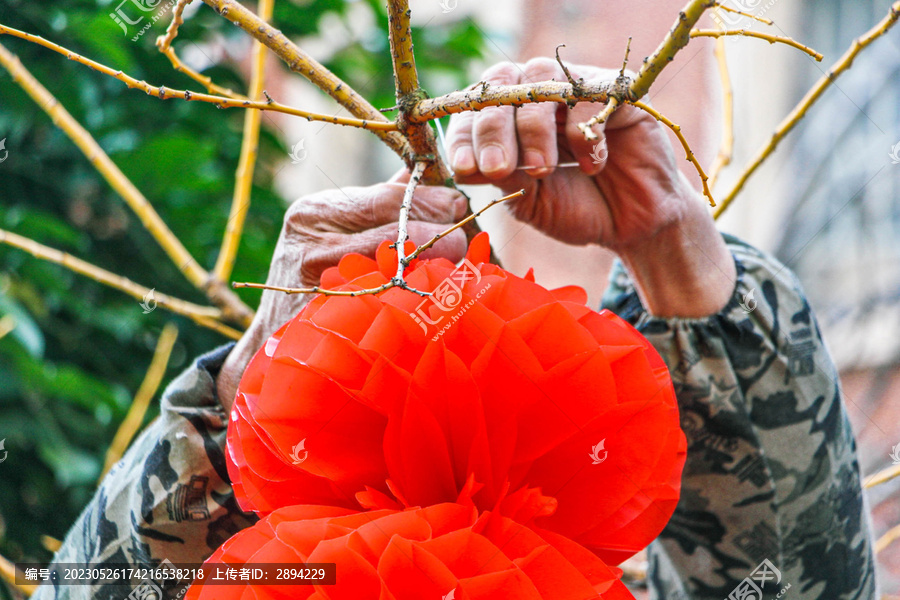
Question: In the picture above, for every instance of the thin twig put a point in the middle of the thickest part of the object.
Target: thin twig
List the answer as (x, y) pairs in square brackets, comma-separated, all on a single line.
[(887, 539), (106, 167), (316, 289), (576, 85), (7, 325), (882, 477), (202, 315), (598, 119), (243, 184), (689, 154), (603, 116), (164, 93), (415, 253), (50, 543), (726, 149), (799, 111), (772, 39), (308, 67), (164, 43), (625, 60), (203, 80), (8, 572), (394, 282), (744, 14), (405, 207), (131, 424)]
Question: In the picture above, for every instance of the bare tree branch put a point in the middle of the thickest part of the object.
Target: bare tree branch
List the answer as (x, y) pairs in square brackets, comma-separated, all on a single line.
[(812, 96), (131, 424), (726, 149), (763, 20), (772, 39), (164, 43), (689, 154), (240, 201), (462, 223), (403, 234), (422, 144), (202, 315), (677, 38), (308, 67), (113, 175), (164, 93)]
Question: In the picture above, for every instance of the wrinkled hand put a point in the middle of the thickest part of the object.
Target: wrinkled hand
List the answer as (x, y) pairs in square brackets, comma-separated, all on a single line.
[(321, 228), (627, 194), (626, 188)]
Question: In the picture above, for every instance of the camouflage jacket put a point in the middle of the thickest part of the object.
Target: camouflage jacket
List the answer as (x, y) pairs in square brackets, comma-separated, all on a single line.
[(771, 506)]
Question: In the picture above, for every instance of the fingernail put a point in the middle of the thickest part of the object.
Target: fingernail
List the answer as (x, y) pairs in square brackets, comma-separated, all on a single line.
[(464, 159), (492, 159), (535, 160)]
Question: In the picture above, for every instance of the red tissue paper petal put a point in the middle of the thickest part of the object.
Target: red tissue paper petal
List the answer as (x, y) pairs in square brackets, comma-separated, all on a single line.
[(522, 399), (443, 551)]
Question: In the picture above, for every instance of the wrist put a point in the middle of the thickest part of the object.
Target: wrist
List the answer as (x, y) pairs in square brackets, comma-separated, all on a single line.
[(684, 269)]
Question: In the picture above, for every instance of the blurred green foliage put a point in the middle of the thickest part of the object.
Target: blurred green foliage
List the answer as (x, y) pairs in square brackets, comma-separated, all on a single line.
[(80, 350)]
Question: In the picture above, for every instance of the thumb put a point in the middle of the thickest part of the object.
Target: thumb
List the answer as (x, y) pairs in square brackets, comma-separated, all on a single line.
[(401, 176)]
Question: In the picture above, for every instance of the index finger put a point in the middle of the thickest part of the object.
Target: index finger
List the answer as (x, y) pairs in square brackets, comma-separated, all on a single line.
[(486, 142)]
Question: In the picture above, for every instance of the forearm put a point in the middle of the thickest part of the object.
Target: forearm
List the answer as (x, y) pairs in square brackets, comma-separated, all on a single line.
[(771, 471), (685, 269)]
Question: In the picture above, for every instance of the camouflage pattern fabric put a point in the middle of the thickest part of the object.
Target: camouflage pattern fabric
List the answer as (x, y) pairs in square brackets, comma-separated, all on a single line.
[(771, 473), (772, 504), (169, 498)]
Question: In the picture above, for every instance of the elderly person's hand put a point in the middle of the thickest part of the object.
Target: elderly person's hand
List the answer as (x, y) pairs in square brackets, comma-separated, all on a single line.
[(321, 228), (633, 200)]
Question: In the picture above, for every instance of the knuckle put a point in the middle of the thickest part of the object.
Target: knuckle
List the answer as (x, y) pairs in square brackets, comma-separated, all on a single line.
[(504, 73), (299, 213), (542, 68), (316, 259), (460, 129), (492, 122)]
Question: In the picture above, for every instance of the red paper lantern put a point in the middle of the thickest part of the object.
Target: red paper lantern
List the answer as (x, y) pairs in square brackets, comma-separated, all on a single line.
[(394, 400), (442, 551)]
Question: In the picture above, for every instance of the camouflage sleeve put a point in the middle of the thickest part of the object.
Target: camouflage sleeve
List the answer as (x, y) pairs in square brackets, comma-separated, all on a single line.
[(772, 504), (169, 498)]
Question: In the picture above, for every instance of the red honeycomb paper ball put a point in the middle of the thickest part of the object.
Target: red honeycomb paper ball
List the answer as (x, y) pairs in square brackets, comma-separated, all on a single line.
[(442, 551), (397, 400)]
